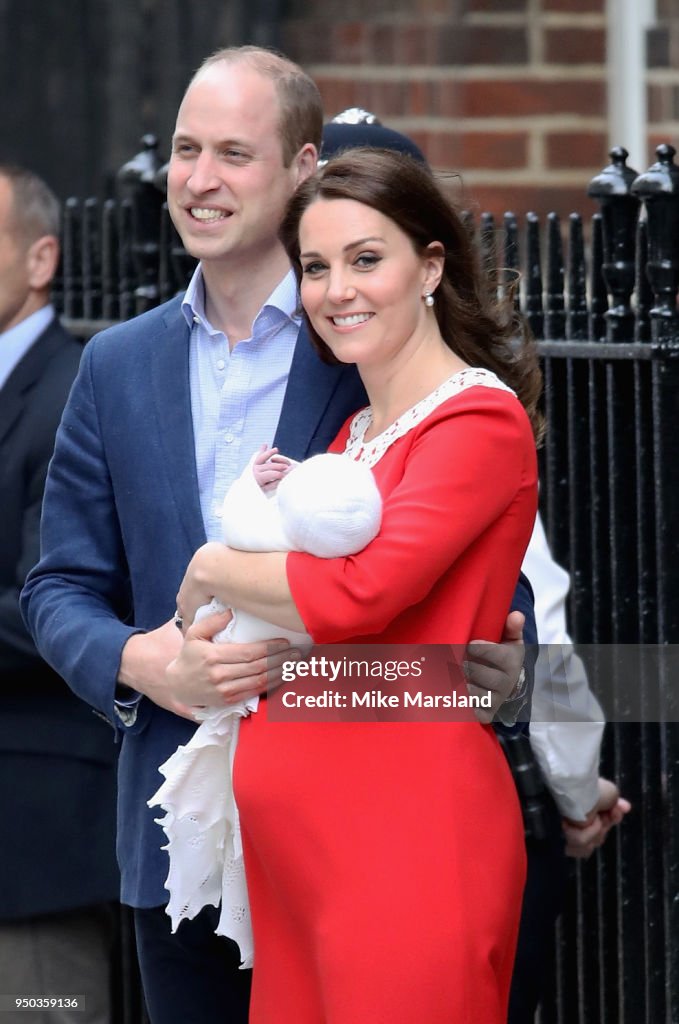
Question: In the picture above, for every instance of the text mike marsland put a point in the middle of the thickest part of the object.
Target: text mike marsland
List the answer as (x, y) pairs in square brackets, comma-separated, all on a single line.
[(380, 699)]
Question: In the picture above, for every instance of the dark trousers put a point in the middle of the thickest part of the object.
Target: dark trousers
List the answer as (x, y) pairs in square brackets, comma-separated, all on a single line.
[(191, 977), (542, 903)]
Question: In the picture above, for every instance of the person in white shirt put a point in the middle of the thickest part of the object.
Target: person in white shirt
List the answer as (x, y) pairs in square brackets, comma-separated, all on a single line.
[(567, 722)]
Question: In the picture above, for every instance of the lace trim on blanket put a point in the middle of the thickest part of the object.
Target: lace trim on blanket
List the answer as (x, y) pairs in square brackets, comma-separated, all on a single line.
[(370, 452), (202, 827)]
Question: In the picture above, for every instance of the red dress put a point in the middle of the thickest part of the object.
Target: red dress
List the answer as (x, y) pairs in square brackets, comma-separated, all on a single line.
[(385, 860)]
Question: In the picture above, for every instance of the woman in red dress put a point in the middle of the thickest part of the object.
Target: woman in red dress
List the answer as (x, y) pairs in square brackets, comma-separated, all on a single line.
[(385, 859)]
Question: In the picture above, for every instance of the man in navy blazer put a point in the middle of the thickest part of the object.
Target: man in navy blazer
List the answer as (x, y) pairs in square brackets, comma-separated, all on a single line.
[(165, 412), (59, 880)]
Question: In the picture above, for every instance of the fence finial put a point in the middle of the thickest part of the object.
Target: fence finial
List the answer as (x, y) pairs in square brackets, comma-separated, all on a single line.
[(136, 183), (659, 190), (612, 189)]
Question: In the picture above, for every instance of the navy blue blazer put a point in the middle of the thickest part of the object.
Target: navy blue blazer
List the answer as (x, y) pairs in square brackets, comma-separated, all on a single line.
[(121, 521)]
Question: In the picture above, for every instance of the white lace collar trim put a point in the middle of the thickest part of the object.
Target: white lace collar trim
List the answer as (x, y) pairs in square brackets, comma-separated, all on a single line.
[(371, 452)]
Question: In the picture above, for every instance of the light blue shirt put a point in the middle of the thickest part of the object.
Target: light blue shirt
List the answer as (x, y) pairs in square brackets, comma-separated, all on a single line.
[(15, 343), (237, 395), (236, 399)]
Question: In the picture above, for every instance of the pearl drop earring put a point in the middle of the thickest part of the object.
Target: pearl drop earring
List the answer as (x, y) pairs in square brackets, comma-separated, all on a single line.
[(429, 299)]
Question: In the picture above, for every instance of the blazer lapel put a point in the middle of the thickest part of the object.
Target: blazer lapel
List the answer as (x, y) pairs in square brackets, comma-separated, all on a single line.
[(172, 398), (311, 385), (29, 369), (11, 405)]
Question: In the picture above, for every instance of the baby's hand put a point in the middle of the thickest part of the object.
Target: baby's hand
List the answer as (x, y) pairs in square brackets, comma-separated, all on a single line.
[(269, 468)]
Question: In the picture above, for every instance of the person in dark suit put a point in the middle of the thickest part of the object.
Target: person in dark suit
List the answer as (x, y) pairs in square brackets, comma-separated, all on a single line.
[(58, 875), (165, 413)]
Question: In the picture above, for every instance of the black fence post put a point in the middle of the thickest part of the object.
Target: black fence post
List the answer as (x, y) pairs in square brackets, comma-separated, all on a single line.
[(71, 258), (659, 189), (578, 440), (91, 260), (619, 212), (642, 286), (598, 298), (555, 318), (109, 261), (511, 261), (576, 283), (126, 275), (136, 183)]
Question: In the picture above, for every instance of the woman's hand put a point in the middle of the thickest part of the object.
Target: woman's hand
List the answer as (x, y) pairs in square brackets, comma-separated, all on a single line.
[(254, 582), (200, 580)]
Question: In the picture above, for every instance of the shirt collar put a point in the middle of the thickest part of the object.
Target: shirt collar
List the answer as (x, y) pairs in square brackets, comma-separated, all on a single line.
[(193, 303), (15, 343), (283, 301), (285, 298)]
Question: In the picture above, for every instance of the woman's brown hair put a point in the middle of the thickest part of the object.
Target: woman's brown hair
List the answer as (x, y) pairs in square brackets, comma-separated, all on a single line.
[(476, 325)]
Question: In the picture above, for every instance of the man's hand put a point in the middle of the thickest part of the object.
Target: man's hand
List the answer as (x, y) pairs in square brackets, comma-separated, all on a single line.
[(584, 837), (205, 674), (496, 668), (144, 662)]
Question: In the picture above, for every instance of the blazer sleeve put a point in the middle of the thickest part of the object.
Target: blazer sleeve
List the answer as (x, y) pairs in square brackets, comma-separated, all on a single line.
[(466, 464), (77, 597), (524, 601)]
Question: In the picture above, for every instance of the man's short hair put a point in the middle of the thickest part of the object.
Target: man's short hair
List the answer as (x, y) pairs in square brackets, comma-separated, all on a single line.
[(35, 210), (301, 119)]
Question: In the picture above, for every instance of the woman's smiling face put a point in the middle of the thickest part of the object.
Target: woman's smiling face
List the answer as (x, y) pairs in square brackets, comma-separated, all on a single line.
[(363, 283)]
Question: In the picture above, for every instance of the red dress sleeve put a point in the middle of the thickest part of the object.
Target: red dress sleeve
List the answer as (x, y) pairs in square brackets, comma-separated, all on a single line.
[(445, 485)]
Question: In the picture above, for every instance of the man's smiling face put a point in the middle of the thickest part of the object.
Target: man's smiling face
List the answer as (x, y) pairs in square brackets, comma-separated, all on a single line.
[(227, 183)]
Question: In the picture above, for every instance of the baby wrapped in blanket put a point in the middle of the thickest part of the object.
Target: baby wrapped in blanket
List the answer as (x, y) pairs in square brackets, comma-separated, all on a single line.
[(328, 506)]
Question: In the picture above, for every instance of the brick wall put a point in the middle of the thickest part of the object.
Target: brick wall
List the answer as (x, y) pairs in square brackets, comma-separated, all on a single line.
[(512, 93), (663, 76)]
